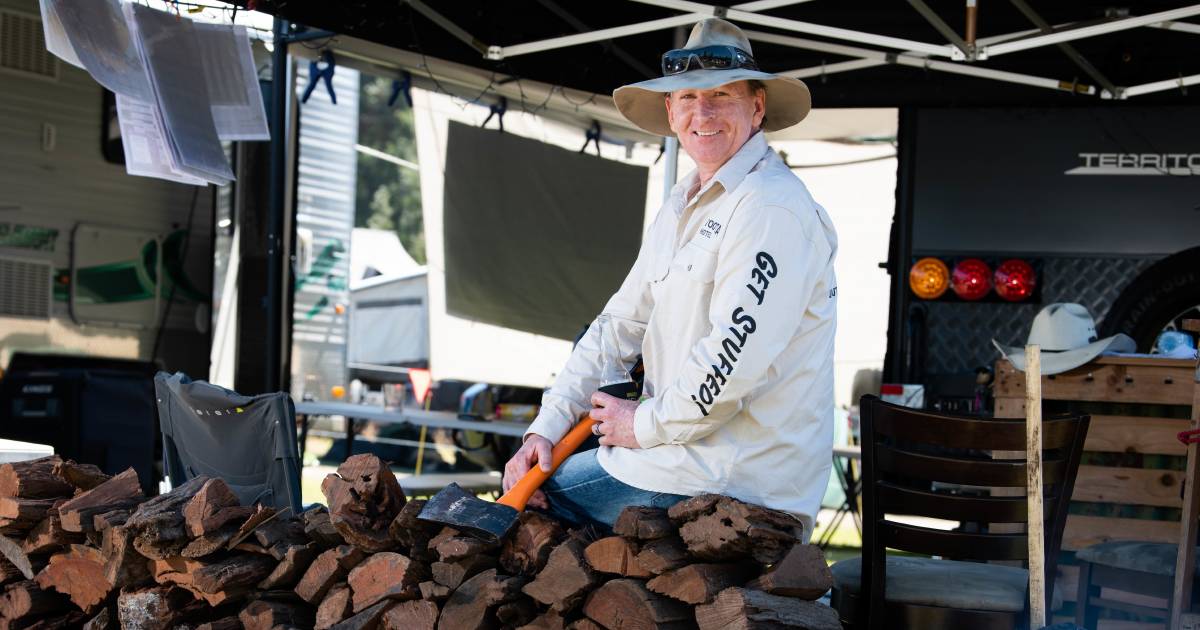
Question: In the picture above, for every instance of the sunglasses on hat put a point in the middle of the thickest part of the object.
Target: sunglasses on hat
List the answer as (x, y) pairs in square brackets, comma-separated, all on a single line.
[(708, 57)]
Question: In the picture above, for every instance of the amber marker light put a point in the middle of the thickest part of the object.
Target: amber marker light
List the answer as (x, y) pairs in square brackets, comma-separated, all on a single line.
[(929, 278)]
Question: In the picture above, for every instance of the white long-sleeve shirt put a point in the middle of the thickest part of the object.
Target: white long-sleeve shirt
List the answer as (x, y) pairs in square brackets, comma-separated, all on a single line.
[(736, 288)]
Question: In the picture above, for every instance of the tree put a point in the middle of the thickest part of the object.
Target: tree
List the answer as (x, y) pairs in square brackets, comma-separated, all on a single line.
[(388, 196)]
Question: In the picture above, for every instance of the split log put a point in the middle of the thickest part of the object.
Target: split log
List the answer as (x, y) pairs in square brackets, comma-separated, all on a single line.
[(334, 607), (213, 507), (293, 565), (78, 574), (410, 531), (261, 516), (366, 620), (123, 565), (224, 623), (433, 591), (803, 573), (526, 551), (330, 567), (264, 614), (566, 579), (15, 554), (643, 523), (626, 603), (745, 609), (414, 615), (452, 574), (700, 583), (318, 528), (460, 547), (103, 521), (150, 609), (471, 605), (615, 555), (444, 534), (209, 543), (717, 527), (385, 575), (158, 524), (49, 535), (281, 535), (216, 582), (364, 497), (549, 620), (24, 600), (84, 477), (516, 613), (662, 555), (122, 491), (18, 515), (34, 479)]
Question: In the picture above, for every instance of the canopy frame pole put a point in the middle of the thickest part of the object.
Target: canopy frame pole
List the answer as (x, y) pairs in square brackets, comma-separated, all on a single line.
[(1160, 86), (1084, 32)]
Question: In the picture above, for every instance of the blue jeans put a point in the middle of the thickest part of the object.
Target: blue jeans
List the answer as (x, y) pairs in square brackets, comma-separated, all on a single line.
[(581, 493)]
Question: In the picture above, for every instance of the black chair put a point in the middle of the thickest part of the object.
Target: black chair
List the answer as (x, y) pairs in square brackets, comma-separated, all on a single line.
[(905, 452)]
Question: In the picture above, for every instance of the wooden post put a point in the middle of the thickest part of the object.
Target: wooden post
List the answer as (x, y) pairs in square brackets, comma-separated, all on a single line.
[(1185, 559), (1033, 486)]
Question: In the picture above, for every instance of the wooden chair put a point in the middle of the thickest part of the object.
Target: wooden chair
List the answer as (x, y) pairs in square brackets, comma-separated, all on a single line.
[(905, 452)]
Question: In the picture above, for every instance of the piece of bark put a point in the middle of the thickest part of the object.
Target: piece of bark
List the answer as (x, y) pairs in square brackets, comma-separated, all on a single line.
[(334, 607), (566, 579), (442, 535), (407, 529), (385, 575), (150, 609), (452, 574), (616, 554), (549, 620), (15, 554), (460, 547), (433, 591), (18, 515), (700, 583), (662, 555), (77, 573), (34, 479), (123, 565), (413, 615), (469, 607), (217, 582), (746, 609), (330, 567), (643, 523), (264, 614), (213, 507), (82, 476), (112, 518), (25, 600), (803, 573), (722, 528), (49, 535), (293, 565), (224, 623), (280, 535), (261, 516), (318, 528), (121, 491), (364, 497), (102, 620), (626, 603), (209, 543), (526, 551), (516, 613)]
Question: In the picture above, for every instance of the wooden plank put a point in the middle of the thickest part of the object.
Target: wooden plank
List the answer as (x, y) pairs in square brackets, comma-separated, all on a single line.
[(1128, 486), (1136, 434), (1163, 381), (1185, 561), (1033, 488), (1084, 531), (1010, 407)]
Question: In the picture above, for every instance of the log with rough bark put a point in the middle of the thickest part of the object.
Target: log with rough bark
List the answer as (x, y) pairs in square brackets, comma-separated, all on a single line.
[(566, 580), (627, 603), (49, 535), (452, 574), (802, 573), (15, 554), (385, 575), (700, 583), (261, 516), (330, 567), (412, 533), (294, 563), (264, 614), (433, 591), (414, 615), (472, 605), (154, 608), (209, 543), (746, 609), (77, 573), (281, 534), (367, 619), (121, 491), (84, 477), (24, 600), (213, 507), (364, 497), (716, 527), (526, 551), (34, 479), (318, 528), (616, 554), (643, 523), (216, 582), (335, 606), (662, 555), (461, 547), (113, 518), (18, 515), (123, 565)]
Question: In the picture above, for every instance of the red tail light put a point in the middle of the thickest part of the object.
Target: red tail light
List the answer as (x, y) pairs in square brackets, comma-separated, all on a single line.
[(1015, 280), (971, 279)]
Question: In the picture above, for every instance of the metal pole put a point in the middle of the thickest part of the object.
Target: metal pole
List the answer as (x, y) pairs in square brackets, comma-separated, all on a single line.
[(275, 208)]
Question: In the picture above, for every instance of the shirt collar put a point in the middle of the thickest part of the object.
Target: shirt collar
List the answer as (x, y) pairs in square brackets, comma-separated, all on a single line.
[(730, 175)]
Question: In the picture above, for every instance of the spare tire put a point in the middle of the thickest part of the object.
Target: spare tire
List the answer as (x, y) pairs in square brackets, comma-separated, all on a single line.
[(1159, 299)]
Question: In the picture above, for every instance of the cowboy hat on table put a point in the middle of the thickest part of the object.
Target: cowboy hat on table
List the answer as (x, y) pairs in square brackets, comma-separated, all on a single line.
[(1066, 333)]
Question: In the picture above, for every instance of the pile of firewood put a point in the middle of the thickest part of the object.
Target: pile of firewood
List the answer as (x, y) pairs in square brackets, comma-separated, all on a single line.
[(82, 549)]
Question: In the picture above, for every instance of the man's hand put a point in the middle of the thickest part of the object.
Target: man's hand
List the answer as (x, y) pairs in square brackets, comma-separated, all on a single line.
[(535, 450), (614, 420)]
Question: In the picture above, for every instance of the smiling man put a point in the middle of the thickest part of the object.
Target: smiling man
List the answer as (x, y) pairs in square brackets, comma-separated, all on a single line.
[(735, 287)]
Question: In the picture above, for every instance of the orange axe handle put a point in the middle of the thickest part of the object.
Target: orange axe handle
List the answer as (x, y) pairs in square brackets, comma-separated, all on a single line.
[(518, 496)]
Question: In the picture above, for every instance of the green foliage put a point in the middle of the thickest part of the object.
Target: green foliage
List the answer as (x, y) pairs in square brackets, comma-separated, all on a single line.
[(388, 195)]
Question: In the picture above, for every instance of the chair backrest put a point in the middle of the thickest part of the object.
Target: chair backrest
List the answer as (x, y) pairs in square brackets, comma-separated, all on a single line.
[(248, 441), (911, 456)]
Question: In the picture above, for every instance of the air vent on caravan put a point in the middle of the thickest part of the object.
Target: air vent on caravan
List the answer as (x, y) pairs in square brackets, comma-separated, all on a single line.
[(23, 46), (26, 287)]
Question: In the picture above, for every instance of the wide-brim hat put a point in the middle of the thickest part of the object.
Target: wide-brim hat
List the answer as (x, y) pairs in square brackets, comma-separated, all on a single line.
[(788, 99), (1066, 335)]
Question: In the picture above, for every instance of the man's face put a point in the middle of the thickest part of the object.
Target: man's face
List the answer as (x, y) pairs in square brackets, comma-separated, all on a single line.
[(713, 124)]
